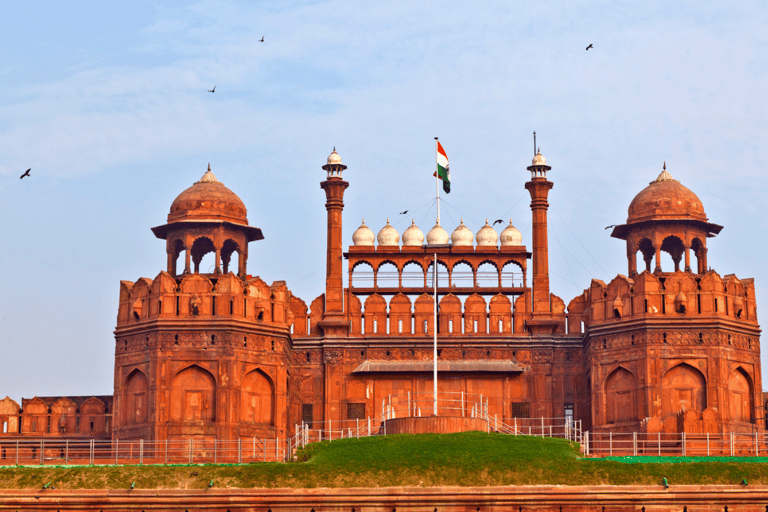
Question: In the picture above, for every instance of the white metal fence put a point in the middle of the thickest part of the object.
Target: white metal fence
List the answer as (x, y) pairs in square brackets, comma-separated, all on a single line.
[(660, 444), (47, 451)]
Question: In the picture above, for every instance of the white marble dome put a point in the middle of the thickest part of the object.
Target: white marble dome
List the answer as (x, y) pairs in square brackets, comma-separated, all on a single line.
[(487, 236), (539, 159), (511, 235), (334, 157), (413, 235), (363, 235), (388, 235), (437, 235), (462, 235)]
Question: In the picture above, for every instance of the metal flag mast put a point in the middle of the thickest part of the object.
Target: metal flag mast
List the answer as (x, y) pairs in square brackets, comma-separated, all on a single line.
[(434, 282)]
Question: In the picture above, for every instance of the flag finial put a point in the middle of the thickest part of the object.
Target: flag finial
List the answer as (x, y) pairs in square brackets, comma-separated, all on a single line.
[(534, 143)]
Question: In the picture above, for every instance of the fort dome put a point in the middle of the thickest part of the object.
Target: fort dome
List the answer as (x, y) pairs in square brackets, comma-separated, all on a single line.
[(665, 198), (388, 235), (487, 236), (413, 235), (363, 235), (208, 199), (462, 235)]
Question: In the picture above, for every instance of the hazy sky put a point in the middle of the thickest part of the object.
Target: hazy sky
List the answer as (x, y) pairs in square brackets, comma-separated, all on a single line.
[(107, 104)]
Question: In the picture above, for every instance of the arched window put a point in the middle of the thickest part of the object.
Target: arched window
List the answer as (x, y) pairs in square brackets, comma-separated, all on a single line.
[(413, 275), (387, 276), (362, 276), (201, 255), (462, 275), (674, 247), (229, 248), (487, 275)]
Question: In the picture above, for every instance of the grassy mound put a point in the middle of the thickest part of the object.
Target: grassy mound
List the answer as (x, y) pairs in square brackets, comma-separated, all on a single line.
[(466, 459)]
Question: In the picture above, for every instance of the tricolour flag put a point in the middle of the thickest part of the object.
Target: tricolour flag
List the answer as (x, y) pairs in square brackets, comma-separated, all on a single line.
[(443, 170)]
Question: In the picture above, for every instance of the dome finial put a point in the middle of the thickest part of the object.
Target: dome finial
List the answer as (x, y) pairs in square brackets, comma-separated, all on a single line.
[(665, 165), (208, 177)]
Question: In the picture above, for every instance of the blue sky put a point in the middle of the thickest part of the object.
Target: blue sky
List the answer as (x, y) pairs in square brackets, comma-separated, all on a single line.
[(107, 103)]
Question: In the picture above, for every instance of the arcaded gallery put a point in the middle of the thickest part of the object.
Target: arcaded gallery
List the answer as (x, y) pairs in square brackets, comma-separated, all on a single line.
[(218, 354)]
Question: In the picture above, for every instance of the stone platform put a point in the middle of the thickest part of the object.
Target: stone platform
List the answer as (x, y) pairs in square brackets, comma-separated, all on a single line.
[(435, 425), (653, 498)]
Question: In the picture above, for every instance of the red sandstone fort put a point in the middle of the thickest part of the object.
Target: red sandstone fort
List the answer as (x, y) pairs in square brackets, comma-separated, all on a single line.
[(224, 355)]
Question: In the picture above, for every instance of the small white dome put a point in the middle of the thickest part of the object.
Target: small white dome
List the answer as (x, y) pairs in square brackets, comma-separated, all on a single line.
[(487, 236), (511, 235), (413, 235), (388, 235), (462, 235), (334, 157), (539, 159), (437, 235), (363, 235)]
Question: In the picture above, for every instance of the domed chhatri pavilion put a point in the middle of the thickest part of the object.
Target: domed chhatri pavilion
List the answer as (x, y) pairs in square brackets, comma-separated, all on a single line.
[(213, 353)]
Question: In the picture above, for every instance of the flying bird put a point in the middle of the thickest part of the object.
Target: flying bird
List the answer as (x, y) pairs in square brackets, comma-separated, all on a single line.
[(403, 213), (212, 90), (590, 46), (262, 39), (26, 173), (611, 226), (498, 221)]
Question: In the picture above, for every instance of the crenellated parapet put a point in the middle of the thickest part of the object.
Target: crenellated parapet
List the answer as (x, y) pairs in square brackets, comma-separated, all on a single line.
[(665, 297)]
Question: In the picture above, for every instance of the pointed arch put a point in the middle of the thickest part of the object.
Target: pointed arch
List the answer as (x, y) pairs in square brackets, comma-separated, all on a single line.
[(683, 387), (193, 395), (620, 396), (135, 403), (741, 396), (257, 398)]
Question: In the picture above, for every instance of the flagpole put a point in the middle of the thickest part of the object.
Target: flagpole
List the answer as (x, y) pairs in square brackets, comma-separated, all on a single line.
[(437, 185), (434, 301)]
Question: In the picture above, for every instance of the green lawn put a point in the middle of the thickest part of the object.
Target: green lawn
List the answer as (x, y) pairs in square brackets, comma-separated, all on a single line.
[(467, 459)]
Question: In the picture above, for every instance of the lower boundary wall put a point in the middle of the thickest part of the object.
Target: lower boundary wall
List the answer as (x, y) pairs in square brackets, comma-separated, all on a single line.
[(399, 499)]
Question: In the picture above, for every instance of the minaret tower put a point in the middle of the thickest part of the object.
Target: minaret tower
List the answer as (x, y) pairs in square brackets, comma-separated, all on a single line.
[(334, 322), (539, 188)]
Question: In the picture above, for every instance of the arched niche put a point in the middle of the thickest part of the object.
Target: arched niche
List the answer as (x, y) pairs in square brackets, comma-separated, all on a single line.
[(135, 405), (683, 388), (257, 399), (740, 396), (620, 400), (193, 395)]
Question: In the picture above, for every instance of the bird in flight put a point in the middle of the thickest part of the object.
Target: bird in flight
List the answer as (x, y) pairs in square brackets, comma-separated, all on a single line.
[(590, 46), (403, 213), (262, 39), (611, 226), (26, 174), (212, 90), (497, 221)]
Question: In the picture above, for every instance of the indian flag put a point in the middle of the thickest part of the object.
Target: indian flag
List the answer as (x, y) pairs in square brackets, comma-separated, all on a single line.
[(443, 170)]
